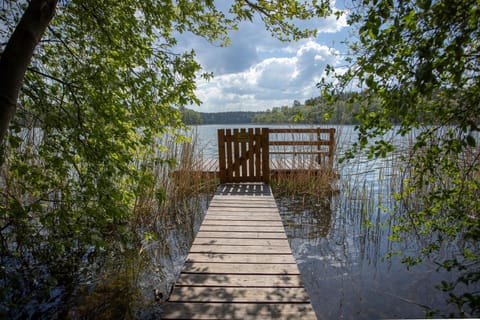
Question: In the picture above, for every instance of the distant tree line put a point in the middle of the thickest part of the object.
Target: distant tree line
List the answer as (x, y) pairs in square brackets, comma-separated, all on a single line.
[(312, 111), (236, 117), (191, 117)]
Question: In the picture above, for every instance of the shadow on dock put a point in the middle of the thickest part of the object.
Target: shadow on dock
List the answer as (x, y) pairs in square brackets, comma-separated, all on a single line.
[(241, 189)]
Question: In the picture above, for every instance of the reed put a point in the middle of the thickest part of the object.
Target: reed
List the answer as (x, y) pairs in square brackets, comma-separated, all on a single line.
[(309, 182), (178, 184), (166, 215)]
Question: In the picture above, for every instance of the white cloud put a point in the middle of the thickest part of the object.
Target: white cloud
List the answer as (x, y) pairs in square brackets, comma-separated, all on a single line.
[(258, 72), (270, 82), (252, 42)]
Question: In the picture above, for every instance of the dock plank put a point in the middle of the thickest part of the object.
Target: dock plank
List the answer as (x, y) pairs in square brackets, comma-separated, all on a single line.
[(209, 248), (229, 210), (242, 280), (240, 268), (240, 257), (232, 216), (240, 228), (233, 294), (244, 242), (243, 222), (245, 311), (242, 235)]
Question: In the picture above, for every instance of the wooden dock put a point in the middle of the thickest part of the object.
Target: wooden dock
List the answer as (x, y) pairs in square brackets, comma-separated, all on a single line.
[(240, 264)]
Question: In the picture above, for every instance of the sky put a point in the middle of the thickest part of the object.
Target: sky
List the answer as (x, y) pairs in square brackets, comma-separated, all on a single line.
[(257, 72)]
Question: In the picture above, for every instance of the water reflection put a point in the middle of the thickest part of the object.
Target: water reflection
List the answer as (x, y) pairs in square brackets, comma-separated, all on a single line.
[(305, 218), (340, 243)]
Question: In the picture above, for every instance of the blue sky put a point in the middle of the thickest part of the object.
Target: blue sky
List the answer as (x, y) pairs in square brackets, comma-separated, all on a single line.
[(257, 72)]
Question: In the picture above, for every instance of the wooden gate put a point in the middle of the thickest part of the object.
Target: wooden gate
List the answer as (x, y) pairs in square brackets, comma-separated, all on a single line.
[(243, 155)]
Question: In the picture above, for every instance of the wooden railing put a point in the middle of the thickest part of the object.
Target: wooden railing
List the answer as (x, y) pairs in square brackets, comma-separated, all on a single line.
[(318, 142), (244, 154)]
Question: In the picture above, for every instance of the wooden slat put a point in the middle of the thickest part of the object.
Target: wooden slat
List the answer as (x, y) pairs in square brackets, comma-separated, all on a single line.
[(255, 190), (225, 228), (232, 294), (236, 155), (258, 146), (239, 216), (218, 207), (239, 311), (223, 209), (251, 149), (254, 205), (244, 242), (245, 205), (331, 147), (229, 160), (241, 199), (243, 280), (246, 197), (242, 235), (237, 249), (299, 143), (301, 152), (299, 130), (247, 213), (255, 202), (240, 258), (246, 222), (240, 268), (243, 154)]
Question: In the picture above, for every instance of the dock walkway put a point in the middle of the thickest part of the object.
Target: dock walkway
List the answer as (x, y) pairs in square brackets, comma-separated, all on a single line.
[(240, 264)]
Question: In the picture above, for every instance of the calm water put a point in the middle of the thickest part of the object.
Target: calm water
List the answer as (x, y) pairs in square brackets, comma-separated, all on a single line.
[(341, 257)]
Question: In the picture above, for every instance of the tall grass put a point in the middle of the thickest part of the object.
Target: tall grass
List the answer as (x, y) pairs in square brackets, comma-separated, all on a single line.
[(165, 220), (178, 182), (315, 177)]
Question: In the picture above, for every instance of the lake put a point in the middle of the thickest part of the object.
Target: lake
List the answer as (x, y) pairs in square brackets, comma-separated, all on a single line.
[(341, 257)]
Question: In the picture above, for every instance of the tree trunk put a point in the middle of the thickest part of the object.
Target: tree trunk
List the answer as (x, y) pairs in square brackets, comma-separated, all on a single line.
[(17, 56)]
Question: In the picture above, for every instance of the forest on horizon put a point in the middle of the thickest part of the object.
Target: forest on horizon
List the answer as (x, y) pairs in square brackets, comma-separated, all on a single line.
[(312, 111)]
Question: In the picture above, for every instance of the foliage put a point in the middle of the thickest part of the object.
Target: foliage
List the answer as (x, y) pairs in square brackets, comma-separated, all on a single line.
[(104, 86), (232, 117), (418, 62), (314, 111), (190, 117)]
